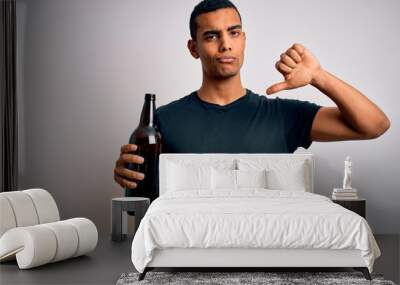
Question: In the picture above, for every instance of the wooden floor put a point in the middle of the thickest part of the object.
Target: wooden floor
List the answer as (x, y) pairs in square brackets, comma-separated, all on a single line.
[(111, 259)]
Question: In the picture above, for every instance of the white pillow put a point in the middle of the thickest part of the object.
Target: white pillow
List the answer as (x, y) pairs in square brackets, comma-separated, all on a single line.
[(229, 179), (282, 174), (251, 178), (290, 179), (200, 160), (188, 177), (223, 179)]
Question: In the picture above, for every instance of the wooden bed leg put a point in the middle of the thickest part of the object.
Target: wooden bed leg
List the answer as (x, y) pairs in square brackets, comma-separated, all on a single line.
[(143, 274), (364, 271)]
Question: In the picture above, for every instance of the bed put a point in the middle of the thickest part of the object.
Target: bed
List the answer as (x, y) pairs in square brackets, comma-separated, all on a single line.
[(244, 211)]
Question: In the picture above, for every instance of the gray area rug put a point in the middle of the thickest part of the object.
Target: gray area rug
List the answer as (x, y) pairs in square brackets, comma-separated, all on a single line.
[(230, 278)]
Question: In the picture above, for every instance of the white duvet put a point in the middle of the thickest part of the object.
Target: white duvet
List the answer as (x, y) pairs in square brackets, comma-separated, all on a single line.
[(250, 218)]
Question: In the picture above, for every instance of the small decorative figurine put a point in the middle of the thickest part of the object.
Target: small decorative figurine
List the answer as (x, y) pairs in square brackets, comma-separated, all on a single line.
[(347, 173)]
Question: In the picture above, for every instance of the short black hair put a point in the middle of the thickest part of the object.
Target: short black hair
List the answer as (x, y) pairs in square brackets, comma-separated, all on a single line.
[(206, 6)]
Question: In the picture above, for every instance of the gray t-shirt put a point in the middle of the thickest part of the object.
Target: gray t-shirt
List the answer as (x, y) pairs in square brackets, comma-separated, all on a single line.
[(251, 124)]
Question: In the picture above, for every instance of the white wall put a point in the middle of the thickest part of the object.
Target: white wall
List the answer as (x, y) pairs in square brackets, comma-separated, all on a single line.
[(84, 66)]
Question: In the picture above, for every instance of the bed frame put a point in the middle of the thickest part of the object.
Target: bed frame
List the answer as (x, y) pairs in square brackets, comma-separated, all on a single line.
[(248, 259)]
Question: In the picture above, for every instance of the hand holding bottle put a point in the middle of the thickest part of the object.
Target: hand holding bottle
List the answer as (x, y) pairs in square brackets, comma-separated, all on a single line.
[(140, 156), (123, 176)]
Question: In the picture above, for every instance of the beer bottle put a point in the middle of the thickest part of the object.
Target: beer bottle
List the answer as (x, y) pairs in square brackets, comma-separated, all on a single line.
[(148, 140)]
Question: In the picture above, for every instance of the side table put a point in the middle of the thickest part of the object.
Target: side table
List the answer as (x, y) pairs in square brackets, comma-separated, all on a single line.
[(358, 206), (120, 206)]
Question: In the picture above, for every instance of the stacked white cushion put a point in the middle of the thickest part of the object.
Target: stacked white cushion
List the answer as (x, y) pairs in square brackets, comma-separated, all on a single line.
[(23, 208), (32, 246), (31, 232), (87, 234), (26, 208), (66, 236), (45, 205), (52, 242), (7, 218)]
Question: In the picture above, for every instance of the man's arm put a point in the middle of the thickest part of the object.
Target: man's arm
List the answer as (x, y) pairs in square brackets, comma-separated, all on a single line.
[(354, 118)]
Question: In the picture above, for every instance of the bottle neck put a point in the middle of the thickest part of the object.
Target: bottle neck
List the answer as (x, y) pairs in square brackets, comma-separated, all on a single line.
[(147, 115)]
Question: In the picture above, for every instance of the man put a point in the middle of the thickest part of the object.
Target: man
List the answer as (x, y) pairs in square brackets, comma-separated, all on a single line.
[(224, 117)]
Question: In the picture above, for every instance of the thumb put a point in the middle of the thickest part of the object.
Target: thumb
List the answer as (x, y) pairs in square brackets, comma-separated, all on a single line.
[(277, 87)]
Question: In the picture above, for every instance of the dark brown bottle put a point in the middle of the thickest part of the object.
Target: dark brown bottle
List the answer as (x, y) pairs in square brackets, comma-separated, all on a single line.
[(148, 140)]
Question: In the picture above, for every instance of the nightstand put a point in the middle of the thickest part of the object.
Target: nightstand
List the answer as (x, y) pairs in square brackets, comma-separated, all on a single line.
[(119, 208), (357, 205)]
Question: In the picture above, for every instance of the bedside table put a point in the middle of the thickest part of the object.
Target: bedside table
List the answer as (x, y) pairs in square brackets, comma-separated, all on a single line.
[(357, 206), (119, 208)]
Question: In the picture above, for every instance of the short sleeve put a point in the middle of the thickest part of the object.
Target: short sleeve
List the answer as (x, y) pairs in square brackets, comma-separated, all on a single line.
[(157, 117), (298, 117)]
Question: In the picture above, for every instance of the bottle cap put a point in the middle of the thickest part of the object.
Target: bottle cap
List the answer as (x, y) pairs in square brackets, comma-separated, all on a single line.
[(150, 96)]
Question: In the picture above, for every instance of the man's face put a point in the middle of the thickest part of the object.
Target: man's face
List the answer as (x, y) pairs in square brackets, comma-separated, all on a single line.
[(220, 43)]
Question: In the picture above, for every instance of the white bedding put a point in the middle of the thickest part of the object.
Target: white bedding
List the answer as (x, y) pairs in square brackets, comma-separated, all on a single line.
[(250, 218)]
